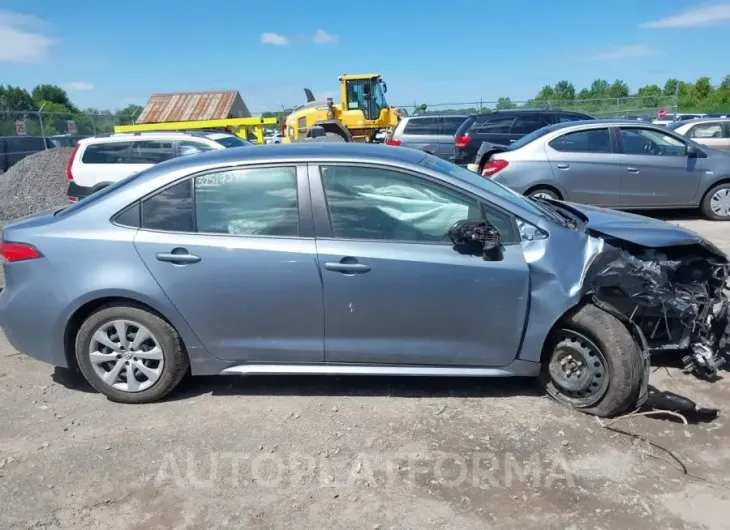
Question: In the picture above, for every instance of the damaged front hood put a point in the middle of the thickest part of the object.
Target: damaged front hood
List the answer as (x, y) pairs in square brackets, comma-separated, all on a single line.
[(638, 229)]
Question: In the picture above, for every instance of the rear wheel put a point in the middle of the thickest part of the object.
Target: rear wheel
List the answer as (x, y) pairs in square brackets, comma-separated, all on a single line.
[(130, 354), (543, 193), (593, 364), (716, 203)]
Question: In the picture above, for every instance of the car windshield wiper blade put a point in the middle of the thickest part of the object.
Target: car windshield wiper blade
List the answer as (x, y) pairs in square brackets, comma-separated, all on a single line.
[(561, 217)]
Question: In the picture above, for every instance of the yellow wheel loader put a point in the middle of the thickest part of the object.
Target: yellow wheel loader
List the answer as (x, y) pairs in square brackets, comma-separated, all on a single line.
[(361, 115)]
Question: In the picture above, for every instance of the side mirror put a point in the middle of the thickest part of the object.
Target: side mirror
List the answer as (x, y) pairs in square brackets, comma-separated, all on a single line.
[(477, 237), (691, 151), (385, 88)]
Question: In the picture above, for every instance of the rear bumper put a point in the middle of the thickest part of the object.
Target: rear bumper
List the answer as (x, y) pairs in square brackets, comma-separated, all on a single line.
[(76, 193)]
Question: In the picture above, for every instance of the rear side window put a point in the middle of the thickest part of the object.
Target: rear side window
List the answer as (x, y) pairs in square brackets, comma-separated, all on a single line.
[(107, 153), (422, 126), (706, 130), (563, 118), (591, 141), (526, 124), (187, 147), (495, 125), (171, 209), (449, 125), (151, 152)]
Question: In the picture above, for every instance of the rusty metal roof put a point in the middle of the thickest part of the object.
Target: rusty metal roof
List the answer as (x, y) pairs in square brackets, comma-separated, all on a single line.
[(188, 106)]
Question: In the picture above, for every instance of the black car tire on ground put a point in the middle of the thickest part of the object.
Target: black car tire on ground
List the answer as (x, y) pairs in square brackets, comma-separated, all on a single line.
[(705, 205), (543, 191), (176, 362), (595, 336)]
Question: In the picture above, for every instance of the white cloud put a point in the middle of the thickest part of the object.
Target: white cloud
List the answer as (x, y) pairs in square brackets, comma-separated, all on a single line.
[(622, 52), (691, 18), (78, 86), (22, 38), (274, 38), (322, 37)]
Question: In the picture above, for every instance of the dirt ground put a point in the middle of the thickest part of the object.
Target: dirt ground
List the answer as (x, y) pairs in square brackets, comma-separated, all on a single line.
[(374, 453)]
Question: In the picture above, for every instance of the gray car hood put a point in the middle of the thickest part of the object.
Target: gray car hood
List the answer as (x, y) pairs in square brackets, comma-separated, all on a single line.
[(638, 229)]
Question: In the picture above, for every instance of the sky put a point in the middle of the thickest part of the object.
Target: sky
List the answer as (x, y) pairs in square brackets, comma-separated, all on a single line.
[(110, 54)]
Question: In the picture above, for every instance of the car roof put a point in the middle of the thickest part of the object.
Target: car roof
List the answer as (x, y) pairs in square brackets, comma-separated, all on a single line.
[(535, 111), (153, 135), (420, 116), (604, 122)]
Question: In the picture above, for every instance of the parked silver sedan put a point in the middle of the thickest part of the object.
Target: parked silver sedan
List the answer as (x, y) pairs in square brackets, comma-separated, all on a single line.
[(616, 164), (321, 258), (712, 132)]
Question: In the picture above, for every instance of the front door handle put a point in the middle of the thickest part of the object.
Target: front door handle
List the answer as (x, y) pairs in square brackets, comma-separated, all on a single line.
[(351, 268), (563, 166), (179, 256), (632, 169)]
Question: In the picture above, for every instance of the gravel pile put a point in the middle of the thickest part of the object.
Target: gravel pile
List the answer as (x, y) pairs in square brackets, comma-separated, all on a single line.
[(36, 183)]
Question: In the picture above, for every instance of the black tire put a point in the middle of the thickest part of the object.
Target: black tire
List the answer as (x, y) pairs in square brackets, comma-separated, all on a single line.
[(544, 191), (176, 361), (706, 206), (598, 337)]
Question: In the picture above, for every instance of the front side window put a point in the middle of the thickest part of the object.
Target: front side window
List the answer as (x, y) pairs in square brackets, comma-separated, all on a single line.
[(381, 204), (248, 202), (107, 153), (706, 130), (590, 141), (635, 141)]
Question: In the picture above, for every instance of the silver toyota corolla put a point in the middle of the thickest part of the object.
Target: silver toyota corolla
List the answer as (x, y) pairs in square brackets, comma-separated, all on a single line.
[(355, 259), (615, 164)]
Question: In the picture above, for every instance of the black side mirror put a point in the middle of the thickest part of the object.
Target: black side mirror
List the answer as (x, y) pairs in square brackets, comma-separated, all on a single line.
[(691, 151), (477, 237)]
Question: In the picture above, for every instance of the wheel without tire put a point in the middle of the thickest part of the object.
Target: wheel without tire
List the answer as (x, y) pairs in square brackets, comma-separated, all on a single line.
[(716, 203), (593, 363), (543, 193), (129, 354)]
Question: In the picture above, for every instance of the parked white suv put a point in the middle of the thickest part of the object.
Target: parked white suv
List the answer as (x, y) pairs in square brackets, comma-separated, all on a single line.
[(102, 160)]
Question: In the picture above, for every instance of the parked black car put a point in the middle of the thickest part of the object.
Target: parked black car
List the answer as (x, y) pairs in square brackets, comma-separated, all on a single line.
[(15, 148), (502, 127)]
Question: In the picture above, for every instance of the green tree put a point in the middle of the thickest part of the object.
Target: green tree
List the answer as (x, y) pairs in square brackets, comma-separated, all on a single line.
[(599, 88), (504, 103), (564, 90), (703, 88), (618, 89), (16, 98), (53, 94)]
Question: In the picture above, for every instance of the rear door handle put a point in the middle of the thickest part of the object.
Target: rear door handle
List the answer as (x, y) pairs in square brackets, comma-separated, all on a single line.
[(632, 169), (563, 166), (346, 267), (179, 256)]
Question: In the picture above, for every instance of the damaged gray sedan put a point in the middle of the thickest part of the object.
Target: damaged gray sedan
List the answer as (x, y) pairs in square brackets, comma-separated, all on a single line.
[(346, 259)]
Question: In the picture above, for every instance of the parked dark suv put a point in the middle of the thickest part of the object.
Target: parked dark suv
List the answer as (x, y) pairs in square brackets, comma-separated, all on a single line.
[(502, 127)]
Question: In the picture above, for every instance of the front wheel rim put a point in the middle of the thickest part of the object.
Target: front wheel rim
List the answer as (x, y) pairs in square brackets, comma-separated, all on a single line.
[(542, 195), (720, 202), (578, 370), (126, 355)]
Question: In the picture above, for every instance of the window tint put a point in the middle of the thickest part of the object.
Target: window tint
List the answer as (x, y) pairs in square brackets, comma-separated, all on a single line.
[(494, 125), (526, 124), (422, 126), (151, 152), (187, 147), (379, 204), (590, 141), (106, 153), (650, 142), (170, 209), (563, 118), (706, 130), (449, 125), (248, 202)]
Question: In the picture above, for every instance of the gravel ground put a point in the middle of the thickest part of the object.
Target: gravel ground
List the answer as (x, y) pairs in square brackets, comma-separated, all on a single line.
[(372, 453), (36, 183)]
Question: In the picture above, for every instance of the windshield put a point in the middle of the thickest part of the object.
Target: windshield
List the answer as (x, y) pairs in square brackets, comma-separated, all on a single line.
[(379, 95), (444, 166), (534, 135), (232, 141)]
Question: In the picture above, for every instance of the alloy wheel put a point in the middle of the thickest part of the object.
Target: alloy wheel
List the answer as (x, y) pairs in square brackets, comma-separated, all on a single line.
[(126, 355)]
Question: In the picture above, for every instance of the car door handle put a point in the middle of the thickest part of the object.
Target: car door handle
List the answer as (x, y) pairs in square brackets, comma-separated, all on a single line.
[(179, 256), (632, 169), (346, 267), (563, 166)]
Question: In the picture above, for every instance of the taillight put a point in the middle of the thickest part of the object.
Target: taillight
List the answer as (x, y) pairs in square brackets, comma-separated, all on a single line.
[(393, 141), (18, 251), (462, 141), (69, 175), (283, 129), (493, 166)]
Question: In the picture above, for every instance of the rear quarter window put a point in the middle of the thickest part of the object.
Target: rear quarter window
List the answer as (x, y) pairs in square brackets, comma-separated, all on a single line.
[(422, 126), (449, 126), (107, 153)]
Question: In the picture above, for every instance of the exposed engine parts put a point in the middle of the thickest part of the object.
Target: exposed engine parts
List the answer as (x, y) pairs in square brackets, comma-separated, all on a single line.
[(676, 297)]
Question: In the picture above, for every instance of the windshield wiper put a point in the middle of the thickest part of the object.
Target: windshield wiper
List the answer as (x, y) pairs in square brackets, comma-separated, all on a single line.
[(558, 215)]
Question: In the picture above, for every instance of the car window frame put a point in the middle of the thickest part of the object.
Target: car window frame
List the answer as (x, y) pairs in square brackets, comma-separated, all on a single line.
[(306, 223), (534, 116), (612, 133), (681, 139), (323, 220), (127, 153)]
